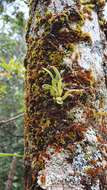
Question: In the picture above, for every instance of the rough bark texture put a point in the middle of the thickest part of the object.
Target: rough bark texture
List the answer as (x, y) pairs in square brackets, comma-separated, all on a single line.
[(11, 174), (65, 124)]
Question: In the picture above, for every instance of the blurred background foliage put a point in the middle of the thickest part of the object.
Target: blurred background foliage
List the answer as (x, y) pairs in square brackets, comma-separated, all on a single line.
[(13, 16)]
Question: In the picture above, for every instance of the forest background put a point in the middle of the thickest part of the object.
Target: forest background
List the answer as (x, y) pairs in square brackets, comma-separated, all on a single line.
[(13, 16)]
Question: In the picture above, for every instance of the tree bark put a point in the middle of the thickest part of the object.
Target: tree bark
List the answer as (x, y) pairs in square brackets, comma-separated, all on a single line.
[(11, 174), (65, 132)]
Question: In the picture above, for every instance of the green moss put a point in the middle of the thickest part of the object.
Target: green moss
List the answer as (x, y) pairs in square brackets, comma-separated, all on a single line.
[(79, 35), (70, 47), (71, 115), (35, 89), (88, 9), (102, 22), (90, 4), (28, 27), (56, 57)]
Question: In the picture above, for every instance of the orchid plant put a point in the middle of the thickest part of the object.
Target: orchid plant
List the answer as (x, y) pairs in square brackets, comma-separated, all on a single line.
[(56, 88)]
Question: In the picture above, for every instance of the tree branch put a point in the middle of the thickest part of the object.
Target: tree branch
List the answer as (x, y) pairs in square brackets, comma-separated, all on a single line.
[(11, 119)]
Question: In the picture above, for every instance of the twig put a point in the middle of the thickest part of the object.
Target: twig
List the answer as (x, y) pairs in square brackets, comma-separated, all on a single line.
[(11, 119)]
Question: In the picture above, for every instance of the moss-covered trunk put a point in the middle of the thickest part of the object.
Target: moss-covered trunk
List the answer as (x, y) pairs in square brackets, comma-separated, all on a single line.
[(65, 119)]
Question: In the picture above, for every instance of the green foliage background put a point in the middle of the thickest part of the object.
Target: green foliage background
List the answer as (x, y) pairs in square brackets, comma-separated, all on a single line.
[(12, 51)]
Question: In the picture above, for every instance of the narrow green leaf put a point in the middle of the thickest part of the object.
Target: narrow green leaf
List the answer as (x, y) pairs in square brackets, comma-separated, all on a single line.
[(66, 95), (59, 100), (51, 75), (58, 76), (53, 91), (46, 86), (60, 88), (54, 83)]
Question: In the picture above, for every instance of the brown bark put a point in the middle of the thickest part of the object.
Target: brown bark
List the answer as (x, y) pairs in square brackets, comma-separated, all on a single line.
[(65, 143), (11, 174)]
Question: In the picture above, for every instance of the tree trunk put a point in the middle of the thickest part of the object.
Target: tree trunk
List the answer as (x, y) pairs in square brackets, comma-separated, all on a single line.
[(11, 174), (65, 119)]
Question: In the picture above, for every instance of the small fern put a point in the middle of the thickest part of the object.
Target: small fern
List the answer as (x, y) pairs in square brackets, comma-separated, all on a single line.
[(56, 88)]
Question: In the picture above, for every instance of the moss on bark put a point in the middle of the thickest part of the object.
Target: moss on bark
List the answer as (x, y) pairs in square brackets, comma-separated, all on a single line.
[(51, 39)]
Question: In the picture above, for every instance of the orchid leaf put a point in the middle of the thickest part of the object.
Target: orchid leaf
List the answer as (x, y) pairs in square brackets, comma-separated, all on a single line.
[(51, 75), (56, 87)]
